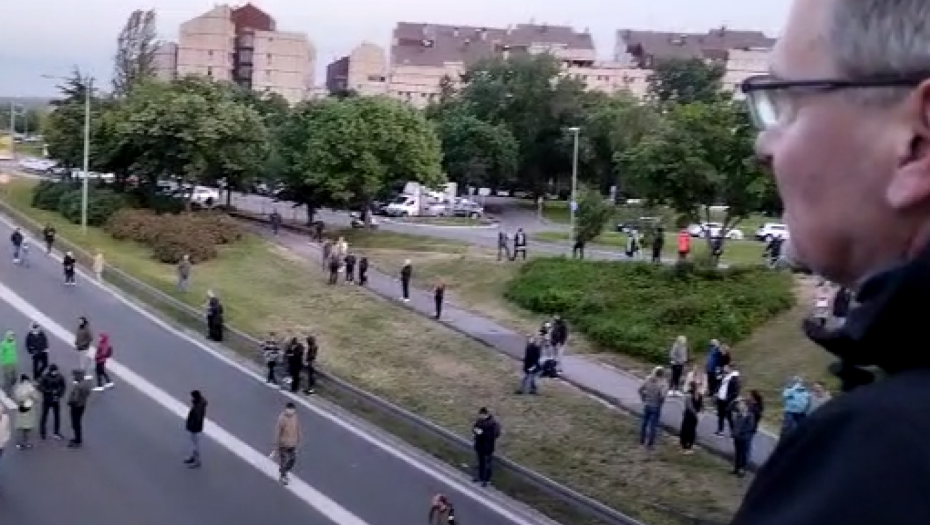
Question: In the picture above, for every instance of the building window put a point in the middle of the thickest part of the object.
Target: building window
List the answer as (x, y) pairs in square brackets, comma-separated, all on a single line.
[(210, 53), (210, 72), (267, 73), (268, 57)]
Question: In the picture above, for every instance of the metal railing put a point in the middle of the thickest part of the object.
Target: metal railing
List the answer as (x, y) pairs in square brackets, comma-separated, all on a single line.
[(517, 476)]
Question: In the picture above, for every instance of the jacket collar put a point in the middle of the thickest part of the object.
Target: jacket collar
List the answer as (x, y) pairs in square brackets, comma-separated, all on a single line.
[(884, 329)]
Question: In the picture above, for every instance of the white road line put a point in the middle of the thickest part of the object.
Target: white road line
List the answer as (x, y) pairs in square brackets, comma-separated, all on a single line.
[(454, 482), (316, 499)]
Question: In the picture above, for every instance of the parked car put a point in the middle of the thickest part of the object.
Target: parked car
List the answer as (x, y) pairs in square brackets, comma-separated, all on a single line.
[(714, 229), (205, 196), (772, 230), (436, 209), (467, 208), (641, 224)]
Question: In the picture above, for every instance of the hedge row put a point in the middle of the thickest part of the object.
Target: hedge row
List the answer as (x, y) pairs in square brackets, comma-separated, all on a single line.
[(638, 308), (172, 236), (65, 198)]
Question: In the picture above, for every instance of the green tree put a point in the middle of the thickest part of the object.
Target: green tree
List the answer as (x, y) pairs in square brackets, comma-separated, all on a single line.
[(475, 152), (594, 212), (64, 129), (702, 157), (686, 80), (537, 103)]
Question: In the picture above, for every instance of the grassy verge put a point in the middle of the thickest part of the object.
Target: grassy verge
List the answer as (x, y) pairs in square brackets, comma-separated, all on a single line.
[(440, 375), (734, 252), (557, 212)]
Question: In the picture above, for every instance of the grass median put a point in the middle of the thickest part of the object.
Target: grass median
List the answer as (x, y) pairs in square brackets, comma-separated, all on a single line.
[(437, 373)]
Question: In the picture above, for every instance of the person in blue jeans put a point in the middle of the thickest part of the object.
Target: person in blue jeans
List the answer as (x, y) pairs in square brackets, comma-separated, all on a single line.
[(797, 401), (531, 356), (652, 393)]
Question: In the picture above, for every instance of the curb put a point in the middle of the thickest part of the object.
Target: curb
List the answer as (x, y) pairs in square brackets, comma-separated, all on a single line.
[(494, 224)]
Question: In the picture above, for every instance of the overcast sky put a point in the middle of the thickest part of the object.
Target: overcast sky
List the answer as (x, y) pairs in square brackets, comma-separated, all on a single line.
[(50, 37)]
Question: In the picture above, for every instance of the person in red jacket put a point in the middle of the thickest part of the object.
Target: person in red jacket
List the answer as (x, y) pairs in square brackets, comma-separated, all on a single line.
[(103, 354), (684, 245)]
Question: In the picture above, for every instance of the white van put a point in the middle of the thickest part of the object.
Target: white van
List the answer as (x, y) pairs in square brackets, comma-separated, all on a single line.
[(403, 206), (201, 194)]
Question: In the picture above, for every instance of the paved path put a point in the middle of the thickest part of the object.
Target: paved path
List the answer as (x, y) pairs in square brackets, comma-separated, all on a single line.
[(605, 382), (130, 469)]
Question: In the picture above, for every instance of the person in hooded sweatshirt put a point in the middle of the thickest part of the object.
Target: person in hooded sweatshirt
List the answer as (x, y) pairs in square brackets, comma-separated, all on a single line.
[(486, 431), (101, 357), (77, 406), (9, 360), (194, 424), (797, 402), (83, 338), (69, 265), (287, 439), (37, 346), (52, 388)]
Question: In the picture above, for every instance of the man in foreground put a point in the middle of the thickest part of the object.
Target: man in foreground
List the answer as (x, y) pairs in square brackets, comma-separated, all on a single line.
[(287, 438), (844, 122)]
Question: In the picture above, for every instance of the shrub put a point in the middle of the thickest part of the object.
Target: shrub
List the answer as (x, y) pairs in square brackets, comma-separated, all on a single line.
[(180, 235), (218, 226), (133, 225), (101, 205), (638, 309), (47, 194), (173, 236)]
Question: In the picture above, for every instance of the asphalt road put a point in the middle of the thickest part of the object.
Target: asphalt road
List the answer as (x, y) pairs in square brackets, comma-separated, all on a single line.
[(130, 469)]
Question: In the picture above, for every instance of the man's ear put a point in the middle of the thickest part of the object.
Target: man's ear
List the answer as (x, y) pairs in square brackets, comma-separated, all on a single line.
[(910, 184)]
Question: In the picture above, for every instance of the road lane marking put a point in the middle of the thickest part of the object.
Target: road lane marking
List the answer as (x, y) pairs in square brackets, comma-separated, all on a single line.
[(327, 507), (455, 481)]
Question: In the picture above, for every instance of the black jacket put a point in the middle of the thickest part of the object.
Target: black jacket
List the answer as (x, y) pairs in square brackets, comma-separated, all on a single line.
[(294, 356), (864, 457), (559, 332), (531, 357), (36, 342), (406, 272), (486, 432), (52, 386), (16, 238), (68, 262), (196, 415)]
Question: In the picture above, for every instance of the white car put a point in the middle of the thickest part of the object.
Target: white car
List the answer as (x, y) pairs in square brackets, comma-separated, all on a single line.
[(713, 229), (772, 230), (202, 194)]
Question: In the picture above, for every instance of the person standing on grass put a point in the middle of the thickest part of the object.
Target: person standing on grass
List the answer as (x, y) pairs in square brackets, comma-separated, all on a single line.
[(83, 338), (52, 388), (334, 264), (37, 346), (684, 245), (678, 358), (184, 273), (215, 321), (194, 425), (532, 355), (519, 245), (9, 360), (310, 364), (439, 294), (287, 439), (350, 268), (652, 393), (728, 392), (77, 406), (694, 404), (69, 265), (48, 234), (271, 353), (503, 245), (797, 403), (486, 432), (743, 430), (363, 271), (99, 265), (327, 253), (406, 274), (658, 243), (101, 357)]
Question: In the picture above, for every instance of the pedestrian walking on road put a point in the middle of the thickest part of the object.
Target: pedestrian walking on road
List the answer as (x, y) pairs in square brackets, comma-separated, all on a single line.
[(52, 388), (558, 337), (363, 271), (83, 338), (727, 394), (439, 295), (215, 323), (406, 274), (532, 354), (99, 265), (101, 357), (287, 439), (16, 239), (441, 511), (276, 220), (69, 265), (194, 426), (37, 346), (77, 405), (743, 430), (6, 431), (519, 245), (503, 245), (486, 431), (26, 397), (678, 358), (184, 273), (48, 234), (652, 393), (9, 360)]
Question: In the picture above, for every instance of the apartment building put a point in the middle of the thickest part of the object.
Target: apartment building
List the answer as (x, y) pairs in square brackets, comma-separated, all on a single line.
[(242, 45), (744, 53), (165, 61), (363, 71), (423, 54)]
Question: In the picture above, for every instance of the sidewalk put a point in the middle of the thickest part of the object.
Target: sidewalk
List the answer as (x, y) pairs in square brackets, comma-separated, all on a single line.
[(606, 383)]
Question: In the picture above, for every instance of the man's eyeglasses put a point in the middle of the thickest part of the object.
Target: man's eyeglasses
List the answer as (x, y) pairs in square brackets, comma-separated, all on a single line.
[(771, 98)]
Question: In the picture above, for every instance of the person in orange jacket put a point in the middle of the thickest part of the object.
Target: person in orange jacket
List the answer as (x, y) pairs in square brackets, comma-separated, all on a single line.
[(684, 245)]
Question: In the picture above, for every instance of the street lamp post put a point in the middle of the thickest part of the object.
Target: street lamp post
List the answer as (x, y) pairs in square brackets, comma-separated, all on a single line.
[(85, 183), (573, 205)]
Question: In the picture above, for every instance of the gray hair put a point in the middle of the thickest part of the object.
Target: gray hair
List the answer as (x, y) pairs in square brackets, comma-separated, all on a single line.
[(869, 38)]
